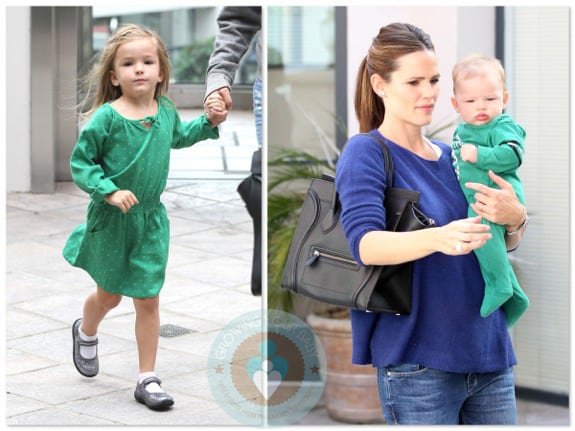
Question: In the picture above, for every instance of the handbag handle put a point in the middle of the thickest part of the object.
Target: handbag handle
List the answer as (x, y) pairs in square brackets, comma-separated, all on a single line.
[(387, 159), (331, 218)]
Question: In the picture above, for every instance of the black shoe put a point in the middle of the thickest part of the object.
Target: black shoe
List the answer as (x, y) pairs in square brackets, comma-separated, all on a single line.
[(154, 400), (86, 367)]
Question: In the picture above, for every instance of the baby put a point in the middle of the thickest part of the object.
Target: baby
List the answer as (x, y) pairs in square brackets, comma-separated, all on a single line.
[(488, 140)]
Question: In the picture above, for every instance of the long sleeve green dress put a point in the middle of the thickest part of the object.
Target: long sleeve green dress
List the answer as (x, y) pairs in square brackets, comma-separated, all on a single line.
[(127, 253)]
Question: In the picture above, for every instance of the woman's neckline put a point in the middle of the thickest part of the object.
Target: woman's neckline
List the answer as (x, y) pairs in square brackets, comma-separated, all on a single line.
[(434, 147)]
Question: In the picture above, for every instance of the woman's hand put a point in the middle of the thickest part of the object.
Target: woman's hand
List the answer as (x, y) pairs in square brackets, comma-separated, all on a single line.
[(123, 199), (463, 236), (499, 206)]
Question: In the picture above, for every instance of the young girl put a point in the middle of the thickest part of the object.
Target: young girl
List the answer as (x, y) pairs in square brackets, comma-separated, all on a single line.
[(121, 159)]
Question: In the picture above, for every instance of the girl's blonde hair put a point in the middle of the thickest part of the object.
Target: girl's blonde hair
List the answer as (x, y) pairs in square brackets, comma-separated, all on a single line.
[(392, 42), (99, 76), (474, 64)]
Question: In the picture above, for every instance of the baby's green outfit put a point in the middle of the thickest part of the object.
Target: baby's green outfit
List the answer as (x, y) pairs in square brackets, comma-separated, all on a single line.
[(127, 253), (500, 149)]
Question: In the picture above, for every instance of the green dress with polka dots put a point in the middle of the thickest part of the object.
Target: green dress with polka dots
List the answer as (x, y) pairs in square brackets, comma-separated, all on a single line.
[(127, 253)]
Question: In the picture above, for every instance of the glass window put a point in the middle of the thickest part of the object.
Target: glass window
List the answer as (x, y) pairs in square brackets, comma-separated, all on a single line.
[(301, 79), (301, 37)]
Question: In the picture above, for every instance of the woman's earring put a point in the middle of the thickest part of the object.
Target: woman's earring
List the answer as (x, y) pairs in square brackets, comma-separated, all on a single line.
[(381, 94)]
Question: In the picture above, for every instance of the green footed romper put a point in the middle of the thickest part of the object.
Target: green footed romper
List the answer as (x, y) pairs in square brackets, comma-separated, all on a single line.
[(500, 149), (127, 254)]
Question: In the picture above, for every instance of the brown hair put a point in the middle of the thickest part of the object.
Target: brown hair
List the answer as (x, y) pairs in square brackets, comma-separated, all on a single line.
[(475, 64), (99, 76), (392, 42)]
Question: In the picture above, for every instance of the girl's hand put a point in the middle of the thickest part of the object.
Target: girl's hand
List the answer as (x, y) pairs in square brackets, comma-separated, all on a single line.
[(463, 236), (215, 103), (216, 106), (499, 206), (216, 118), (123, 199)]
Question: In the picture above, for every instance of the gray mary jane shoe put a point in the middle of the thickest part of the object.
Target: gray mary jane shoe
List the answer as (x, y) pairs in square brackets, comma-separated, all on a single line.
[(86, 367), (154, 401)]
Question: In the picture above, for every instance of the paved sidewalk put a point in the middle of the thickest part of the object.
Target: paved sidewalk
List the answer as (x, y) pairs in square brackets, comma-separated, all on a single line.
[(207, 285)]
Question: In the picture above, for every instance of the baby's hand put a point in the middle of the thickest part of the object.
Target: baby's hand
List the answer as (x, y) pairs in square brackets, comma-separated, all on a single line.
[(469, 153), (123, 199)]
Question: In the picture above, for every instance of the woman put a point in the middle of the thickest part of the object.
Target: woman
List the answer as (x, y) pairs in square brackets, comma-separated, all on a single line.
[(443, 363)]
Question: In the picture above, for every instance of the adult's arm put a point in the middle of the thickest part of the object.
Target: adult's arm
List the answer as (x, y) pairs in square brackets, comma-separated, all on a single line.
[(361, 182), (237, 26)]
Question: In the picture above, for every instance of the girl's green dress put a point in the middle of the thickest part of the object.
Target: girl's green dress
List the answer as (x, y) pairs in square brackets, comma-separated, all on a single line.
[(127, 253)]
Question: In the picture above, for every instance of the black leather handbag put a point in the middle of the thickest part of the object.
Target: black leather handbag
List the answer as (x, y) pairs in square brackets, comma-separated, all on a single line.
[(320, 265)]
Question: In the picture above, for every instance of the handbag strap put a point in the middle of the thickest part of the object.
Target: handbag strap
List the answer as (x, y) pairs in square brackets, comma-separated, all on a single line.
[(387, 159), (330, 219)]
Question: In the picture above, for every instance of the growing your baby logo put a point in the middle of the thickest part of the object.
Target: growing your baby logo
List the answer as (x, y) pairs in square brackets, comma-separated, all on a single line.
[(266, 368)]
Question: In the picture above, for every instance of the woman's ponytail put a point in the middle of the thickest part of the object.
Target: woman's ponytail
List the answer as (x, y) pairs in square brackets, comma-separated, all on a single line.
[(369, 108)]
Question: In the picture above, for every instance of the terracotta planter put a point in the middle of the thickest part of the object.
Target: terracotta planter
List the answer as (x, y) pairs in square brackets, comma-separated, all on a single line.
[(350, 393)]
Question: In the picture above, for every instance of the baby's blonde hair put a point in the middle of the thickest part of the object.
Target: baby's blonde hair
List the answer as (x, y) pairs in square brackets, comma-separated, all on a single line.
[(475, 64), (99, 77)]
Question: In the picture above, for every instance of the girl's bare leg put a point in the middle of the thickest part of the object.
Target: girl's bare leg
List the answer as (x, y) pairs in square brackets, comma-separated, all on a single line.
[(148, 390), (96, 306), (147, 331)]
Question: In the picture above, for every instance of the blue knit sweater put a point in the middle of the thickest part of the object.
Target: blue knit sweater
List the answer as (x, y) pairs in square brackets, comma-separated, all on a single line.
[(444, 330)]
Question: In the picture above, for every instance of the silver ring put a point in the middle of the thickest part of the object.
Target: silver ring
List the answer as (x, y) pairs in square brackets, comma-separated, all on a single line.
[(458, 246)]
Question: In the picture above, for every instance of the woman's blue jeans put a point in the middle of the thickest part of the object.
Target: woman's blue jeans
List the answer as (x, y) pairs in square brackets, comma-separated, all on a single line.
[(411, 394), (257, 100)]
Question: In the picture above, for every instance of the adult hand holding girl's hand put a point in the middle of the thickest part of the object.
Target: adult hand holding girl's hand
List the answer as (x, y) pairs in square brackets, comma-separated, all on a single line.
[(217, 105), (123, 199), (463, 236)]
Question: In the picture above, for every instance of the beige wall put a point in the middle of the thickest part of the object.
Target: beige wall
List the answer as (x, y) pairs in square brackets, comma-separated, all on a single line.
[(303, 101), (17, 132)]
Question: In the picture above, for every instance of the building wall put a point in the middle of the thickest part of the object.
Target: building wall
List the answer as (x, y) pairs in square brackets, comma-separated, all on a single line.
[(541, 96), (18, 175)]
